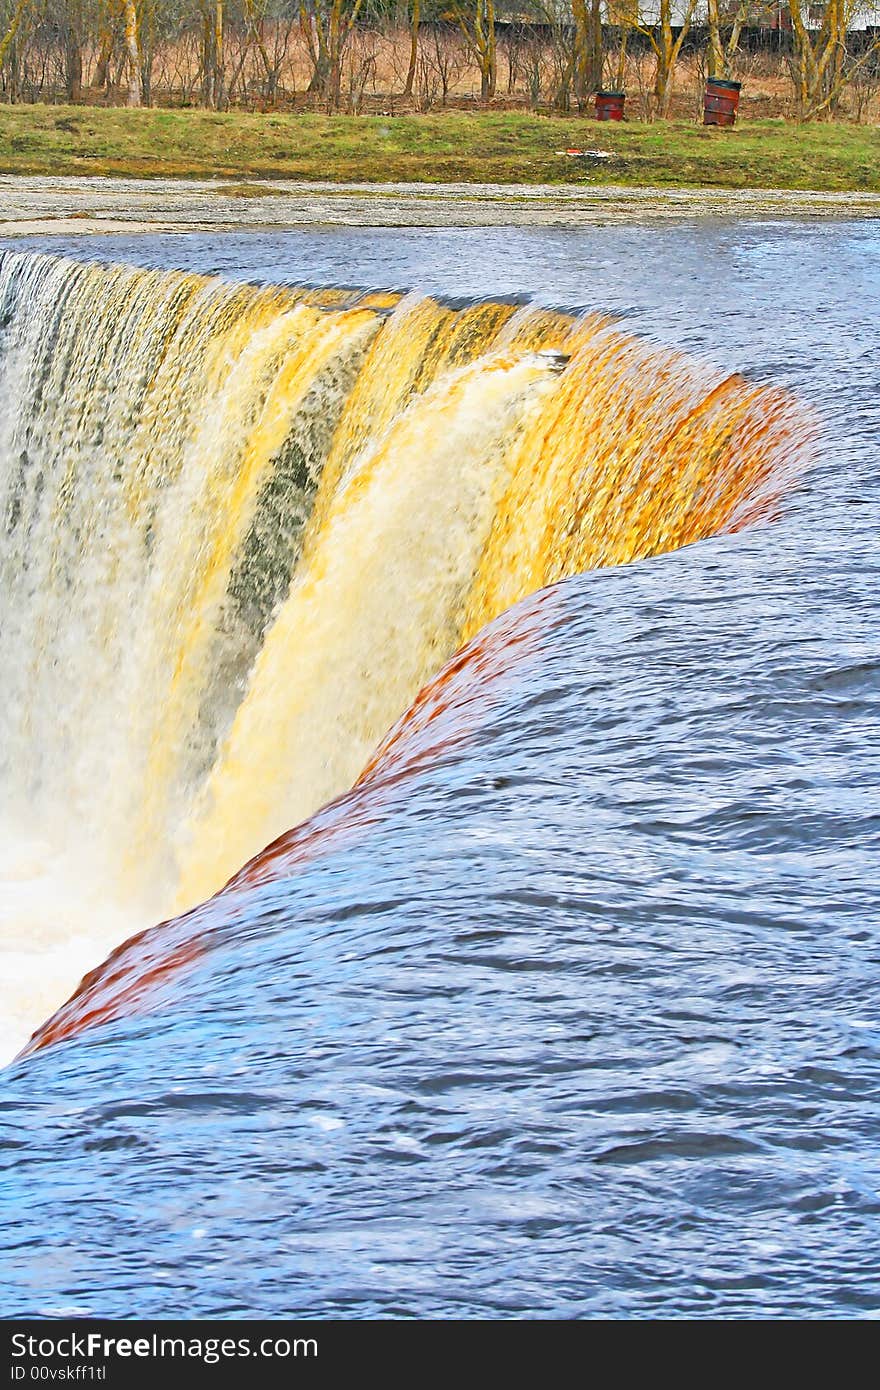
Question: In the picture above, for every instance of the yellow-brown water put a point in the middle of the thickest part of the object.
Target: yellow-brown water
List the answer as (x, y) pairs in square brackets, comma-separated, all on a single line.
[(245, 525)]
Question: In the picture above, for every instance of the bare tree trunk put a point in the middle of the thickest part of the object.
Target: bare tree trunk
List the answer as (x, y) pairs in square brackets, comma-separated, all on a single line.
[(313, 30), (106, 42), (213, 94), (219, 67), (739, 20), (491, 74), (716, 65), (331, 25), (625, 14), (14, 25), (817, 64), (665, 62), (620, 79), (207, 60), (14, 73), (413, 49), (73, 66), (133, 57), (72, 34), (269, 68), (478, 29), (334, 80), (581, 41), (666, 50), (597, 48)]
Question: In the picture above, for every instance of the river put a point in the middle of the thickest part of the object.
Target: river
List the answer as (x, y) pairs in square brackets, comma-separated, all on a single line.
[(569, 1009)]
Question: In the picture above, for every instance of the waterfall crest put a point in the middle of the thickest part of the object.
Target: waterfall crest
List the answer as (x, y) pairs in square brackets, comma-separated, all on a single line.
[(241, 527)]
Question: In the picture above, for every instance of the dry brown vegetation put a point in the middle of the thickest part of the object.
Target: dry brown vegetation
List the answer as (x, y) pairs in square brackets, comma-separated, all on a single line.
[(336, 56)]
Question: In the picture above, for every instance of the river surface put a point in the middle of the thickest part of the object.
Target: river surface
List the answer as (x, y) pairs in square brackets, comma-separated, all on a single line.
[(581, 1019)]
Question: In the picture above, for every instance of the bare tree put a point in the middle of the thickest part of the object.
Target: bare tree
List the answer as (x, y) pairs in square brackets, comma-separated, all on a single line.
[(346, 53), (326, 25), (108, 25), (720, 55), (624, 14), (15, 24), (588, 48), (821, 66), (415, 16), (133, 96), (213, 66), (667, 47), (476, 20), (443, 57)]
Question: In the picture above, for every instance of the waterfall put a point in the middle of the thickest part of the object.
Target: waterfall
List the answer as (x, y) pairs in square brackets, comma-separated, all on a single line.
[(241, 527)]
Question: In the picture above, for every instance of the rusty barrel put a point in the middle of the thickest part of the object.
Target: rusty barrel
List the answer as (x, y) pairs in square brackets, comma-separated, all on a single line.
[(609, 106), (720, 101)]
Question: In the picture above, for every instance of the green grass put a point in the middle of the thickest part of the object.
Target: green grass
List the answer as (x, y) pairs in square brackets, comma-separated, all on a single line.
[(489, 147)]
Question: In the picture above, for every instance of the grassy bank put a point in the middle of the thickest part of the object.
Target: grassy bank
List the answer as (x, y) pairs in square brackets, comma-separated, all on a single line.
[(481, 147)]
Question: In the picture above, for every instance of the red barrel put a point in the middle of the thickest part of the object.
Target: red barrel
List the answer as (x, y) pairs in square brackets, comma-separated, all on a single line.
[(720, 101), (609, 106)]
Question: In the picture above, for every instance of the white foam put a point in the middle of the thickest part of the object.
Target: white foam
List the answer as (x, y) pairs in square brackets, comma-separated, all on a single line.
[(55, 926)]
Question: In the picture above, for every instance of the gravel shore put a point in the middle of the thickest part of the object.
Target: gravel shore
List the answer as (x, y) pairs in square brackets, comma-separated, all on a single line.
[(41, 206)]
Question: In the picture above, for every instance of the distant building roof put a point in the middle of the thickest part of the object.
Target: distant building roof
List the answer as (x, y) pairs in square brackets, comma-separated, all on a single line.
[(865, 16)]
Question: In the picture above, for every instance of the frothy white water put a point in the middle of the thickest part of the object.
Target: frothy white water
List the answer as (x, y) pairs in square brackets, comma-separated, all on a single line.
[(142, 417), (56, 923), (162, 439), (395, 556)]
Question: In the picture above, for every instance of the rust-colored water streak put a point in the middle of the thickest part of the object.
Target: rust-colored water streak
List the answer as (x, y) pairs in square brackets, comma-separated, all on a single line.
[(639, 451)]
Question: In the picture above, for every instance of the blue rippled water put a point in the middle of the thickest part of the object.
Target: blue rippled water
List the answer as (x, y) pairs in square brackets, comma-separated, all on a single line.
[(583, 1019)]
